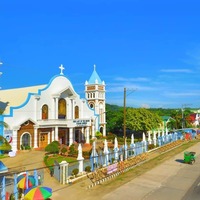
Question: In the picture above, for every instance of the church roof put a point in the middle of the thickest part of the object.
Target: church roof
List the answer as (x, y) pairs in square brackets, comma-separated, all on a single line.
[(94, 78), (15, 97)]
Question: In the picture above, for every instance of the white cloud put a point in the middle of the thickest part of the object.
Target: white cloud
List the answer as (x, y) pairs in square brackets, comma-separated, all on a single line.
[(138, 79), (145, 105)]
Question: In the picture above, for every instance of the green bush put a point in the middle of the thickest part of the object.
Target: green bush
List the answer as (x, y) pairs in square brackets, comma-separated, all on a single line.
[(45, 158), (56, 143), (27, 147), (63, 150), (52, 148), (86, 154), (98, 134), (151, 146), (88, 169), (113, 159), (75, 171), (73, 151)]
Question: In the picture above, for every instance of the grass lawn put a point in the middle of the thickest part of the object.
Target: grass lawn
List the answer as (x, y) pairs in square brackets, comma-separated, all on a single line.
[(59, 159), (3, 156)]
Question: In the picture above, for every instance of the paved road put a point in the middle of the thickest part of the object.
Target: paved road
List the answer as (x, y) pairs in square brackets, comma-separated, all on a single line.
[(172, 179), (194, 191)]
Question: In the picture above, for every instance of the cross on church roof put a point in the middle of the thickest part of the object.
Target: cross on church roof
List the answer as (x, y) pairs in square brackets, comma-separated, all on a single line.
[(61, 69)]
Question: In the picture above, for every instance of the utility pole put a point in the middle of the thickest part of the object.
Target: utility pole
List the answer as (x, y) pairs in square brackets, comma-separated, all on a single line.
[(124, 115), (182, 110), (125, 95)]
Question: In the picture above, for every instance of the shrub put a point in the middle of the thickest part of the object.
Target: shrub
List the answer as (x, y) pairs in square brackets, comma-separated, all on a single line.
[(151, 146), (113, 159), (88, 169), (27, 147), (75, 172), (98, 134), (55, 142), (12, 197), (72, 150), (86, 154), (52, 148), (63, 150)]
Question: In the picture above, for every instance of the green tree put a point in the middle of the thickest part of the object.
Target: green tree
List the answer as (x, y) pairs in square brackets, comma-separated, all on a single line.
[(4, 145), (114, 118), (142, 119)]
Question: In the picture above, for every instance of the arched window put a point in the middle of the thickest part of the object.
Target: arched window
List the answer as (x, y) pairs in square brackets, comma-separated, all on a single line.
[(45, 111), (101, 130), (92, 105), (76, 112), (61, 109), (26, 140)]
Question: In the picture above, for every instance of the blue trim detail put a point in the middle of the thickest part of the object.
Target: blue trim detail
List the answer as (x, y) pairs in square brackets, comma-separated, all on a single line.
[(29, 96)]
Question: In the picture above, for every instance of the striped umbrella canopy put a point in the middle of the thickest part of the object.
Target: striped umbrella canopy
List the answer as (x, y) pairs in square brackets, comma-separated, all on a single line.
[(39, 193), (23, 183)]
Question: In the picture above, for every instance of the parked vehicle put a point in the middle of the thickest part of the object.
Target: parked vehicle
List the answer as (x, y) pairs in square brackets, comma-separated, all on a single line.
[(189, 157)]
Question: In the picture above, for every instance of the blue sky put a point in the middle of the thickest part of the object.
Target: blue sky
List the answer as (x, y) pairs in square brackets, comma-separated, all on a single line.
[(149, 47)]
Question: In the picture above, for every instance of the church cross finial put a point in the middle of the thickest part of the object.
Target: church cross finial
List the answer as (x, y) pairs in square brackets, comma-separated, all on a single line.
[(61, 69)]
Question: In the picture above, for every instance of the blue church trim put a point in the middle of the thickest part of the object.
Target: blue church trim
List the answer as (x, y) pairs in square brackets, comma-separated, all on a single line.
[(29, 96)]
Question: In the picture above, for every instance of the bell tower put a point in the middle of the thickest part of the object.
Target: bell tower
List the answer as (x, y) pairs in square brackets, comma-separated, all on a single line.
[(95, 95)]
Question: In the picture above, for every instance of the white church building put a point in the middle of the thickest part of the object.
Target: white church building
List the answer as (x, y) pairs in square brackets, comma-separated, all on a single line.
[(40, 114)]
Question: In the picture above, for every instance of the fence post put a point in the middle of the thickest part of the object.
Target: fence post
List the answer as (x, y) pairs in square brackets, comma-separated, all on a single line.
[(106, 152), (116, 150), (64, 172), (80, 159)]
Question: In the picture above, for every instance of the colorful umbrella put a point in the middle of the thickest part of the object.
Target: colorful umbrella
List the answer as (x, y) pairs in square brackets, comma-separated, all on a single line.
[(23, 183), (39, 193)]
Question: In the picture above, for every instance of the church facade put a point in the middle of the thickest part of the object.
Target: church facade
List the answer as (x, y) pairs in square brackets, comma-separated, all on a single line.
[(38, 115)]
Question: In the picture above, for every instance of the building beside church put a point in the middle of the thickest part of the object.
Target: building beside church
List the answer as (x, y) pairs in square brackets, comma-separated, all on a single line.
[(41, 114)]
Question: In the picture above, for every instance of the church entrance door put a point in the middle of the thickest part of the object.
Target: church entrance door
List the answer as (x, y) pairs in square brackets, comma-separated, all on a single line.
[(43, 140)]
